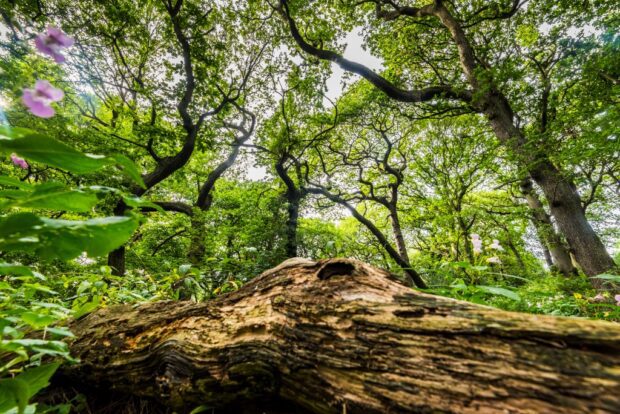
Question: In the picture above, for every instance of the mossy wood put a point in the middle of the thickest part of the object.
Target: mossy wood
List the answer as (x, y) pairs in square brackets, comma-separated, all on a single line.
[(340, 336)]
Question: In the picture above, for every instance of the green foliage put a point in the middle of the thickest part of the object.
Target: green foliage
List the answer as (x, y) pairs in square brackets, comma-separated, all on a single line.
[(423, 179), (31, 303), (37, 147)]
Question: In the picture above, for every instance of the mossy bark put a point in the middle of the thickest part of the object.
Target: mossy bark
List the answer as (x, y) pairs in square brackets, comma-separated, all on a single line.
[(341, 336)]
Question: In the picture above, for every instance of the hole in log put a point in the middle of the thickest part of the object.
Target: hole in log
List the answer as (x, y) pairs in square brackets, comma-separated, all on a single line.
[(410, 313), (335, 268)]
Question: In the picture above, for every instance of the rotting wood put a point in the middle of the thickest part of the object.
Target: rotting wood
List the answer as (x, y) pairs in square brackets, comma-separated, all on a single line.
[(339, 333)]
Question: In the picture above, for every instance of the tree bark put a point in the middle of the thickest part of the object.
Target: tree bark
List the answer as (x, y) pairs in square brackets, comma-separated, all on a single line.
[(398, 235), (551, 241), (116, 258), (292, 222), (197, 249), (340, 336), (565, 206), (293, 197)]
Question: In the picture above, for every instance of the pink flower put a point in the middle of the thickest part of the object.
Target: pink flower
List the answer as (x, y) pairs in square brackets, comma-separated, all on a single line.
[(617, 297), (20, 162), (496, 246), (494, 260), (53, 42), (38, 100), (599, 298), (477, 243)]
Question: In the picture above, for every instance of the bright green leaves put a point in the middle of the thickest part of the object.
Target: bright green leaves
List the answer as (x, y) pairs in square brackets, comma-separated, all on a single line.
[(527, 35), (39, 148), (496, 290), (56, 196), (16, 392), (51, 196), (64, 239), (13, 393), (24, 231)]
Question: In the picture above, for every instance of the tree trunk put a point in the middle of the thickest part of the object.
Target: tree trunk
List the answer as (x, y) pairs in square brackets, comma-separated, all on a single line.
[(116, 261), (564, 201), (292, 221), (544, 227), (565, 206), (116, 258), (197, 249), (339, 336), (398, 234), (293, 196), (546, 252)]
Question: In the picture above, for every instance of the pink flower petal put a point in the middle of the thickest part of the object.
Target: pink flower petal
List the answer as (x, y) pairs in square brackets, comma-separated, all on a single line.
[(59, 36), (45, 89), (40, 44), (53, 42), (58, 57), (20, 162), (35, 106)]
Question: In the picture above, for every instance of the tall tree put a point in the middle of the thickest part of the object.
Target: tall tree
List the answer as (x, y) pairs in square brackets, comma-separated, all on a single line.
[(484, 91)]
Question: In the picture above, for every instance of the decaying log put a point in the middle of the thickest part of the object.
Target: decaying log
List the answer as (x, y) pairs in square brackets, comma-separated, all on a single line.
[(340, 336)]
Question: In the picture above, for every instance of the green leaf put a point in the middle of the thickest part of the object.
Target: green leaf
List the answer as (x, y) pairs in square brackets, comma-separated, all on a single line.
[(14, 182), (13, 269), (38, 321), (61, 332), (39, 288), (461, 265), (38, 378), (494, 290), (51, 196), (201, 409), (607, 276), (129, 168), (65, 239), (85, 284), (13, 393), (129, 199), (86, 308), (40, 148)]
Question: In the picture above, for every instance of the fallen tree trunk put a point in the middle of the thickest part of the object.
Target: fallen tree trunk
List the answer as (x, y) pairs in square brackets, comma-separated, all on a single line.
[(340, 336)]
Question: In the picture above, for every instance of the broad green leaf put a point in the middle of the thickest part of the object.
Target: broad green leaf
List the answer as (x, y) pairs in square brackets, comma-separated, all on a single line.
[(201, 409), (40, 148), (39, 288), (494, 290), (61, 332), (14, 393), (607, 276), (129, 199), (14, 182), (129, 168), (64, 239), (462, 265), (38, 378), (13, 269), (38, 321), (85, 284), (51, 196), (86, 308)]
